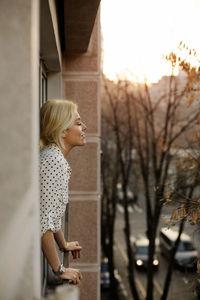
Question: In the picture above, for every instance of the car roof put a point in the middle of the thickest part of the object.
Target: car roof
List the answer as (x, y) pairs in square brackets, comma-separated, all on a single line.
[(173, 234), (143, 241)]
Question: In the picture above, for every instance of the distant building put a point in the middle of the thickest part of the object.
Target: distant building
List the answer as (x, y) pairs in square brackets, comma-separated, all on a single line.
[(49, 49)]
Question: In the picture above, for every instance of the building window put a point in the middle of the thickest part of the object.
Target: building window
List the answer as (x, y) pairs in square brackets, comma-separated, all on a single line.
[(42, 99), (43, 84)]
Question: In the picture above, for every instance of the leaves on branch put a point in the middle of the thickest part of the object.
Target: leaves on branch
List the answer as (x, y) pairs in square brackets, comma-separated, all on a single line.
[(191, 99), (174, 216), (193, 220), (169, 193), (183, 211), (198, 134), (166, 221)]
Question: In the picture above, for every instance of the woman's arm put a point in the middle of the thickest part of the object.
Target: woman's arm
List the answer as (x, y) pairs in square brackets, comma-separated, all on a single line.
[(60, 239), (49, 250), (74, 247)]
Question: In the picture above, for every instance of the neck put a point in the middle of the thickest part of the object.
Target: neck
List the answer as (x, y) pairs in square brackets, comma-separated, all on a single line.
[(65, 150)]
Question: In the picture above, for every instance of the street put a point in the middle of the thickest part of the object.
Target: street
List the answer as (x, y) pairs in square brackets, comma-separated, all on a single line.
[(181, 284)]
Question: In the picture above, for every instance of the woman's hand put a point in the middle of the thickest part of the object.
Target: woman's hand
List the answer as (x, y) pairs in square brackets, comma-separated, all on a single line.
[(75, 249), (73, 275)]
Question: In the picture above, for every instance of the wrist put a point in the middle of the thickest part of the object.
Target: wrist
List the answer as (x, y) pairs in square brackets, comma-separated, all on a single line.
[(65, 248), (61, 269)]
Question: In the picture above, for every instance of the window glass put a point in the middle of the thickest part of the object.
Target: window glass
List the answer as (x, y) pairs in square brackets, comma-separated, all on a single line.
[(142, 250), (42, 100), (43, 84), (185, 246)]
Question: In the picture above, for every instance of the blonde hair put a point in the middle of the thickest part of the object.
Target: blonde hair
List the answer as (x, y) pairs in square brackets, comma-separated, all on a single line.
[(55, 117)]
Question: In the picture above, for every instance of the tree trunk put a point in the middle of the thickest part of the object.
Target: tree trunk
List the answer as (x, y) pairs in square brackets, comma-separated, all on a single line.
[(107, 244), (129, 251), (113, 282), (150, 266), (152, 236), (181, 227), (171, 263)]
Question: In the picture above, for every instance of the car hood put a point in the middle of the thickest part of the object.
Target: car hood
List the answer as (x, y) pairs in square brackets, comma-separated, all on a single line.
[(144, 257)]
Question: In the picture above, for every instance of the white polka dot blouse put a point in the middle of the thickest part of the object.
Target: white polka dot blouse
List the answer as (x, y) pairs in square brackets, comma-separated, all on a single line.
[(54, 177)]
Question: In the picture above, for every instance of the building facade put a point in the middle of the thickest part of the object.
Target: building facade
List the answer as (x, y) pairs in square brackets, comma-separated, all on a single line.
[(49, 49)]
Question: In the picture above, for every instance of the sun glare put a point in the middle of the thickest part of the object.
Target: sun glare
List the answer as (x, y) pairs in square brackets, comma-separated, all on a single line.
[(136, 35)]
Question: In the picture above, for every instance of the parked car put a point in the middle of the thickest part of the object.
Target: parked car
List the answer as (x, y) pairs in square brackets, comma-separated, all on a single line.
[(186, 255), (131, 197), (141, 248), (105, 275)]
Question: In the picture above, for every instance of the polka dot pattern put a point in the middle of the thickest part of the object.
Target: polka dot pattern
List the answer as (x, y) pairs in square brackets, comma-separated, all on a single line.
[(54, 177)]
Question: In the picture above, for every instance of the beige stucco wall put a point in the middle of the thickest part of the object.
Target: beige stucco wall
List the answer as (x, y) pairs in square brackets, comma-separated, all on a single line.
[(81, 83), (19, 213), (19, 132)]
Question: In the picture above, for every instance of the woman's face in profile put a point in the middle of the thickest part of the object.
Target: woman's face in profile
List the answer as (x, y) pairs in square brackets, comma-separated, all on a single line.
[(75, 135)]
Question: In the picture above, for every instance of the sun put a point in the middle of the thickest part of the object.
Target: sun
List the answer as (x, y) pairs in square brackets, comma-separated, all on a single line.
[(136, 35)]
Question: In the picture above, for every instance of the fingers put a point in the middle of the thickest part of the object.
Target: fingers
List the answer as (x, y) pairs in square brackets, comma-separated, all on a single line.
[(75, 280), (75, 249), (76, 254), (74, 275), (73, 246)]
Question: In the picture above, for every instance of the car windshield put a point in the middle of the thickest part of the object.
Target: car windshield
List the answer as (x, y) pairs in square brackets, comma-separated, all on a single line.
[(104, 266), (142, 250), (185, 246)]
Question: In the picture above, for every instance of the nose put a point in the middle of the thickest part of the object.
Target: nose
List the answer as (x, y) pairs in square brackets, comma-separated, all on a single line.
[(84, 127)]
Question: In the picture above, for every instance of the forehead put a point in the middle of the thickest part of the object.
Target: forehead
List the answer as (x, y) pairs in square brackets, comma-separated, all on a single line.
[(77, 116)]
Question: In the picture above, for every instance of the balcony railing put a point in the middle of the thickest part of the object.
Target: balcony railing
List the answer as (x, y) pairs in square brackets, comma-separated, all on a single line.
[(65, 292)]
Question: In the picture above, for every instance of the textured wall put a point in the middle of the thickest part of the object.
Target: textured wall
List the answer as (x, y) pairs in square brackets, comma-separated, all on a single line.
[(81, 83), (19, 222)]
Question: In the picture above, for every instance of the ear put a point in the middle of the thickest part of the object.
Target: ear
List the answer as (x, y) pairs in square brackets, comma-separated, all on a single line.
[(64, 133)]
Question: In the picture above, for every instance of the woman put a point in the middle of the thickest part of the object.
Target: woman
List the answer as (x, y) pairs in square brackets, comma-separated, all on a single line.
[(61, 129)]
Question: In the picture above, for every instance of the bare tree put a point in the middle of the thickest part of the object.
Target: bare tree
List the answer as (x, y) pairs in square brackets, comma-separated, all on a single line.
[(185, 195), (160, 121), (119, 120), (110, 175), (154, 120)]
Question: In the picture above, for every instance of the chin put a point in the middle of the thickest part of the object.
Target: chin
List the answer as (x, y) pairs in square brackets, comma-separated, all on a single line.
[(82, 143)]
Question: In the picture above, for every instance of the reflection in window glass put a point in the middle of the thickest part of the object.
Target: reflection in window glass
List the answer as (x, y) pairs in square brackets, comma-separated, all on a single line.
[(185, 246)]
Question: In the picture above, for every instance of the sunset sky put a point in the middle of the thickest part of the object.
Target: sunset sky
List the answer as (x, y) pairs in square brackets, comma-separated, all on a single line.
[(136, 34)]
